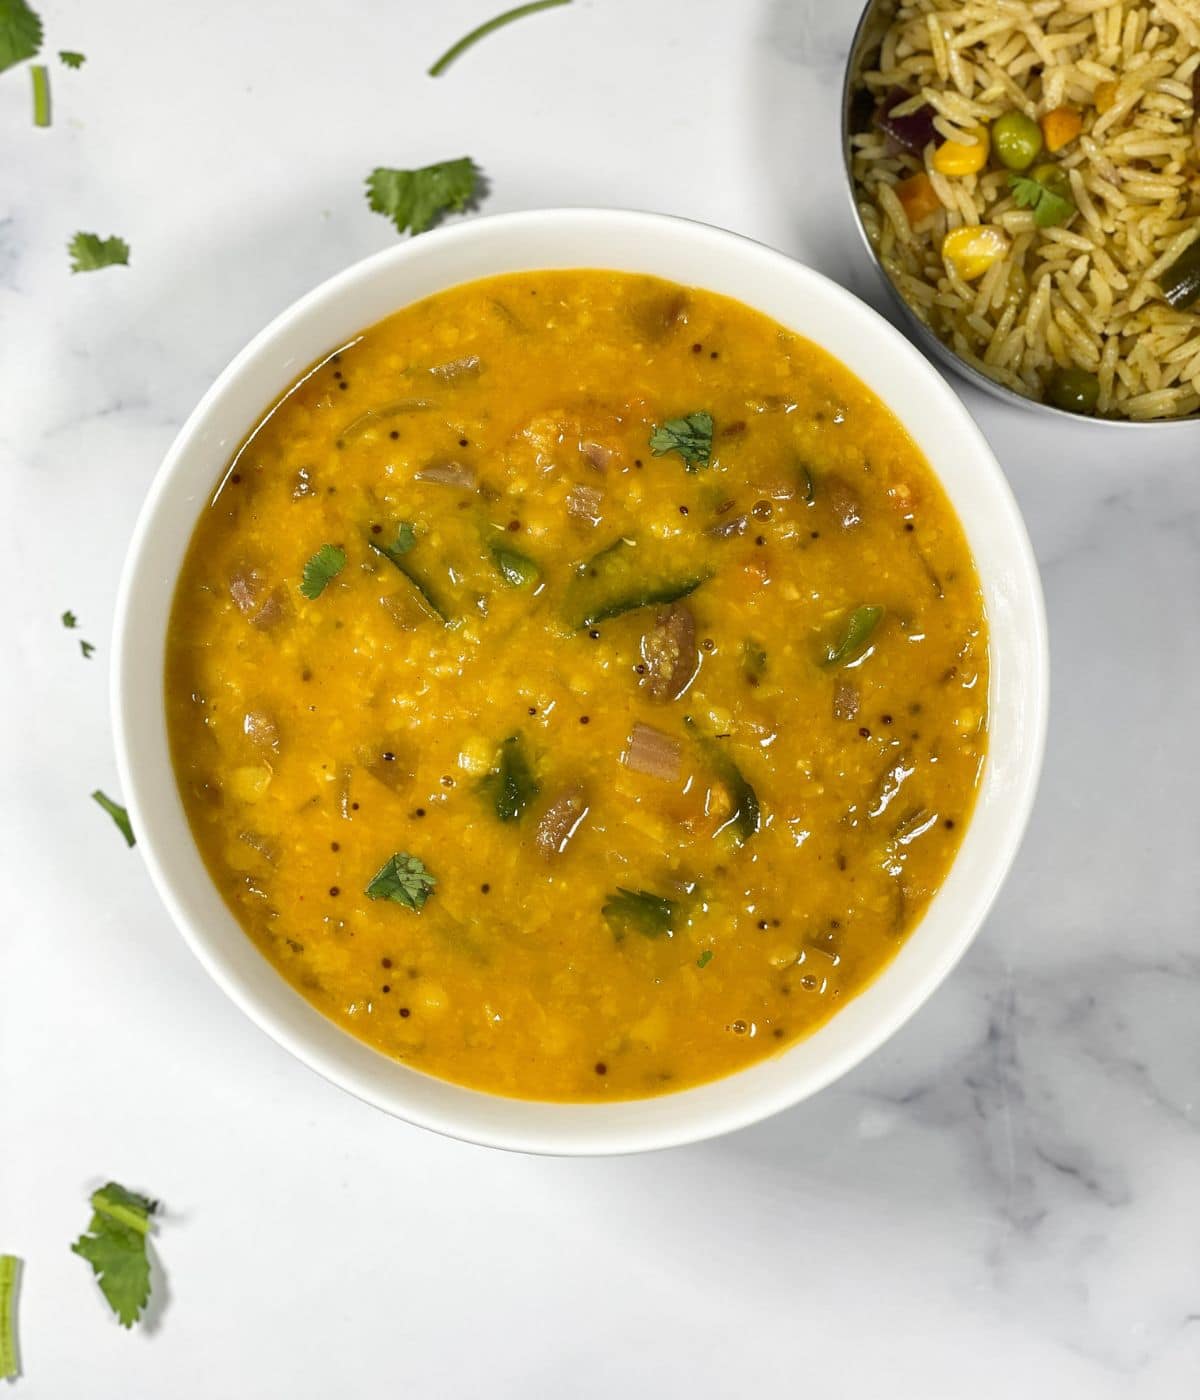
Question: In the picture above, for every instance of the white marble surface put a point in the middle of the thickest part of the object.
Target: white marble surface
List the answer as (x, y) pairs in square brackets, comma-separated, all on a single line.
[(1003, 1201)]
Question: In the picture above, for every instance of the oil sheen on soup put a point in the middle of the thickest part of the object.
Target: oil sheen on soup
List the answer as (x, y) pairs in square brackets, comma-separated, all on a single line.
[(577, 685)]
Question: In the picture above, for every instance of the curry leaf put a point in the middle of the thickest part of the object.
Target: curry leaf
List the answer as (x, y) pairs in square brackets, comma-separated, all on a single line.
[(511, 785), (641, 911), (404, 880), (118, 813), (859, 627), (415, 199), (691, 437), (322, 569)]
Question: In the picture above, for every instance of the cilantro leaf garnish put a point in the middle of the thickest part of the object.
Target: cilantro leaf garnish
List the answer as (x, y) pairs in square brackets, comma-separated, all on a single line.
[(322, 569), (115, 1247), (1047, 192), (641, 911), (69, 619), (483, 30), (404, 880), (705, 958), (71, 58), (415, 199), (119, 815), (20, 33), (87, 648), (89, 251), (10, 1273), (690, 436)]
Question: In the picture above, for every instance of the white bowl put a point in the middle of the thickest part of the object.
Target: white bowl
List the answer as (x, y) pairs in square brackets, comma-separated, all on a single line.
[(800, 299)]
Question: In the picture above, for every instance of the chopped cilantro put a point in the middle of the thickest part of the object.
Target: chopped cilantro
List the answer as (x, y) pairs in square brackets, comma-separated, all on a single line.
[(72, 59), (20, 33), (87, 648), (1047, 192), (490, 27), (690, 436), (415, 199), (404, 880), (115, 1247), (41, 94), (646, 913), (89, 251), (69, 619), (119, 815), (322, 569), (10, 1274), (705, 958)]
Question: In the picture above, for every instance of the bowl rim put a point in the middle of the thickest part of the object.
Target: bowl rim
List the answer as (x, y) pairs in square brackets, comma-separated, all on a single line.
[(917, 328), (552, 1128)]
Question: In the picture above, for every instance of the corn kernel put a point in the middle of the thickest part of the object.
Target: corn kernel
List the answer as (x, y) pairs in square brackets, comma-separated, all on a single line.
[(959, 158), (971, 250)]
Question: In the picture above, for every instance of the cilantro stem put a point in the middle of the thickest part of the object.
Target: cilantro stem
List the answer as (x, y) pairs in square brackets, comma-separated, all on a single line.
[(456, 50), (10, 1272), (41, 94)]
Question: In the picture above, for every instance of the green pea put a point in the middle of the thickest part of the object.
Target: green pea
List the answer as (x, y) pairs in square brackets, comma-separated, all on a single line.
[(1017, 140), (1077, 390)]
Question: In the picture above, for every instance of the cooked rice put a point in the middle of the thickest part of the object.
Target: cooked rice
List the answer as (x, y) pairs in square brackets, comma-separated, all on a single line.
[(1084, 295)]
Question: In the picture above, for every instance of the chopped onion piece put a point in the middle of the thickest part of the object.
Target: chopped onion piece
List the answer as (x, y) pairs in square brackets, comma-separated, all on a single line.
[(458, 369), (586, 503), (652, 752), (728, 529), (597, 454), (447, 474)]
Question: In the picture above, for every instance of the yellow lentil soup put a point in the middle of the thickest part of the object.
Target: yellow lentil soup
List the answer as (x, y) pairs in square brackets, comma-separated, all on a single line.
[(577, 685)]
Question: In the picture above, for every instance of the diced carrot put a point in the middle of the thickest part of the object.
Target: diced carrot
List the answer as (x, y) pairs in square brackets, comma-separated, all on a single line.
[(1104, 96), (918, 197), (1061, 127)]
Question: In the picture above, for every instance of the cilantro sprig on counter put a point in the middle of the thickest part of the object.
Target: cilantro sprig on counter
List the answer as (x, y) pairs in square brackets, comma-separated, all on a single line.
[(89, 251), (404, 880), (489, 27), (415, 199), (20, 33), (10, 1274), (115, 1246)]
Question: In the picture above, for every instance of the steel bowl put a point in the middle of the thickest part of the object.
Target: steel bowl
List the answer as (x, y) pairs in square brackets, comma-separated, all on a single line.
[(868, 36)]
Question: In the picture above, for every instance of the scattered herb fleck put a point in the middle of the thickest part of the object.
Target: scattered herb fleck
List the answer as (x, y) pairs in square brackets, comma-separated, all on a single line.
[(71, 58), (404, 880), (87, 648), (490, 27), (119, 815), (322, 569), (690, 436), (115, 1247), (89, 251), (69, 619), (415, 199)]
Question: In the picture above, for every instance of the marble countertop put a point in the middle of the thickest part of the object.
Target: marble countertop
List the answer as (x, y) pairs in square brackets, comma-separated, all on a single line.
[(1001, 1201)]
